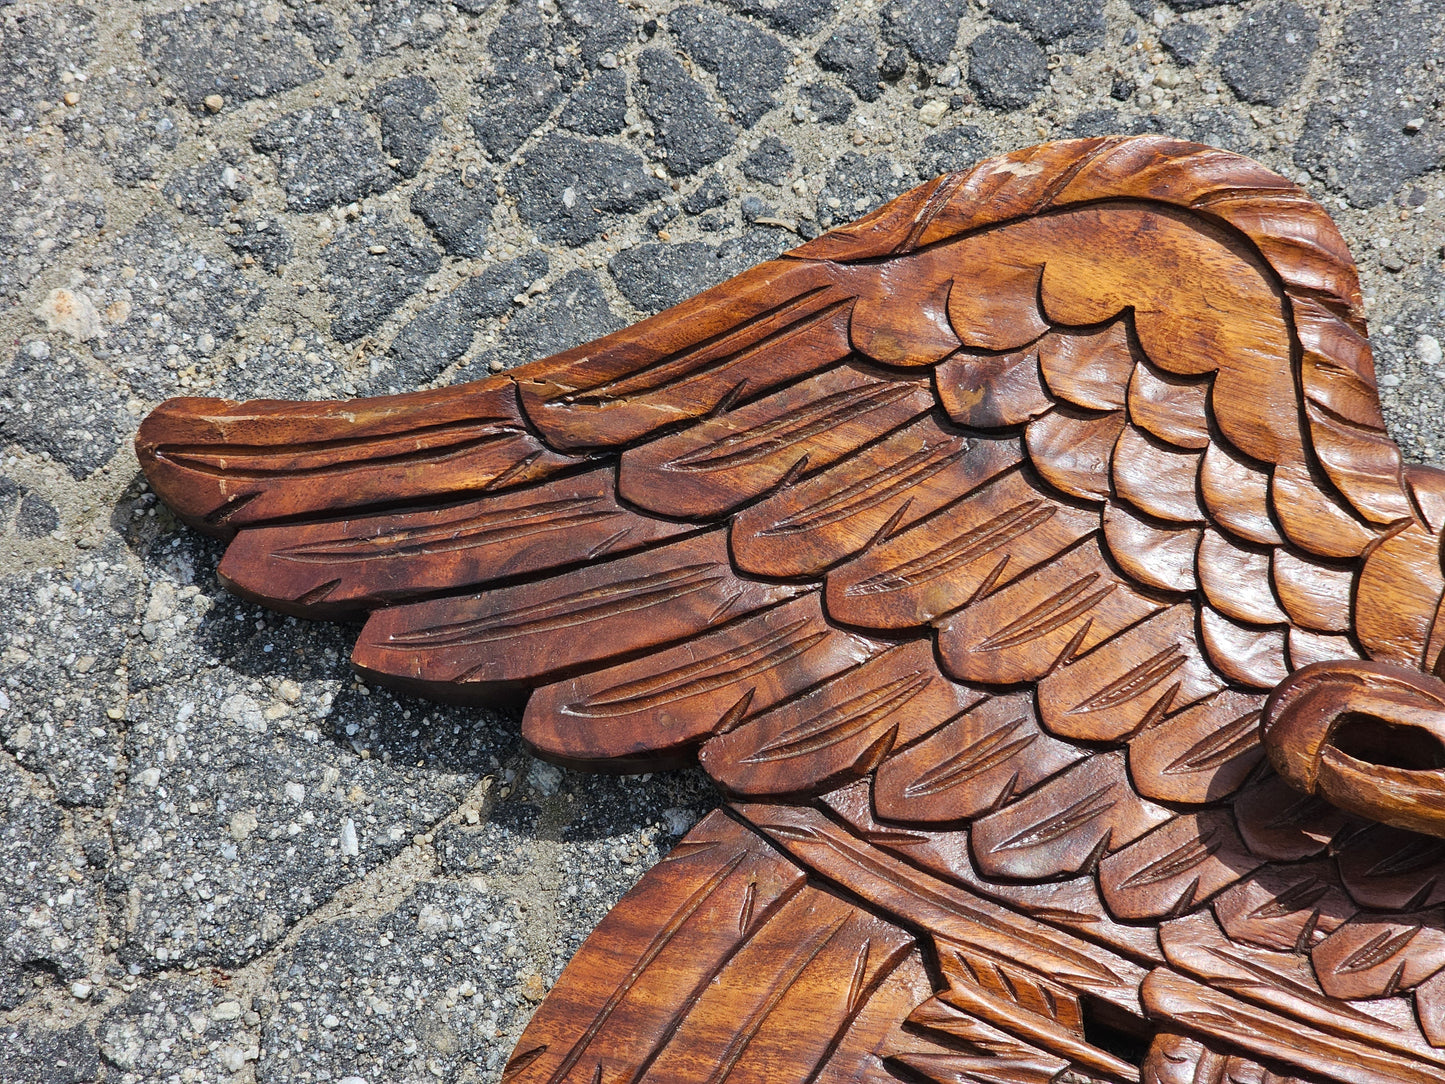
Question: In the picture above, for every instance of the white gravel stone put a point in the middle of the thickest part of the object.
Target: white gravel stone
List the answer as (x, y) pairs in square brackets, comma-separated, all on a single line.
[(349, 844), (1427, 349), (243, 823), (71, 312)]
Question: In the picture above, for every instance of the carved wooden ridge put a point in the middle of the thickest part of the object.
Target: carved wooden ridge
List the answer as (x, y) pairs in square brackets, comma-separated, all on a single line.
[(1028, 563)]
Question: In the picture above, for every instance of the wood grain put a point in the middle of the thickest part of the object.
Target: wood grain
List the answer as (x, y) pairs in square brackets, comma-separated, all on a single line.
[(1027, 562)]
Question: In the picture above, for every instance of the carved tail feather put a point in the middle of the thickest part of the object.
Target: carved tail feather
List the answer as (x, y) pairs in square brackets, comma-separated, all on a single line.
[(725, 962), (728, 961)]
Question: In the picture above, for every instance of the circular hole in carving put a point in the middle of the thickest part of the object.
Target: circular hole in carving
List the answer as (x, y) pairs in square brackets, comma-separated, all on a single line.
[(1372, 740)]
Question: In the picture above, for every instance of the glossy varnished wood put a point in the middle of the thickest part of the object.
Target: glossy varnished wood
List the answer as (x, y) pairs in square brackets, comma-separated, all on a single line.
[(1028, 564)]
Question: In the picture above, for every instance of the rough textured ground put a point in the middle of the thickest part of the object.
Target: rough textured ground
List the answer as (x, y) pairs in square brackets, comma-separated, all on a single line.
[(223, 858)]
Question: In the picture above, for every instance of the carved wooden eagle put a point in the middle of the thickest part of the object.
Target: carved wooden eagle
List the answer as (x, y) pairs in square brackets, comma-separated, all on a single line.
[(1028, 563)]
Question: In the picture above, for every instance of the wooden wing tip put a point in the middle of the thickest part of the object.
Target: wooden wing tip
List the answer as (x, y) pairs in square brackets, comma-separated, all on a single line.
[(198, 500)]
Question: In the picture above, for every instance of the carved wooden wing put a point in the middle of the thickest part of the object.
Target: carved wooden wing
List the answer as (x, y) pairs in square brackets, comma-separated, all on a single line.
[(963, 545)]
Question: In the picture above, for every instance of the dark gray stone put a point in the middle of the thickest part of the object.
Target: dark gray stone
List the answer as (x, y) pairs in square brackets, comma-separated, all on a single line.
[(366, 285), (599, 106), (894, 66), (770, 163), (1360, 142), (210, 49), (514, 101), (1181, 5), (852, 52), (926, 28), (61, 679), (36, 517), (685, 123), (10, 493), (1185, 42), (174, 1020), (858, 184), (59, 404), (568, 189), (1265, 57), (325, 157), (274, 370), (441, 334), (796, 17), (433, 340), (955, 149), (713, 192), (34, 1054), (357, 990), (319, 25), (572, 311), (410, 115), (1005, 69), (47, 921), (656, 277), (276, 805), (1073, 25), (523, 35), (754, 247), (753, 208), (457, 209), (1412, 389), (492, 293), (384, 25), (38, 221), (127, 126), (522, 87), (180, 297), (212, 191), (265, 240), (1094, 122), (749, 63), (1216, 127), (528, 77), (41, 41), (832, 104), (598, 27)]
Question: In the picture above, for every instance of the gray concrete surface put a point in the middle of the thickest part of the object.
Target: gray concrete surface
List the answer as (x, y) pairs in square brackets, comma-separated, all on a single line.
[(223, 858)]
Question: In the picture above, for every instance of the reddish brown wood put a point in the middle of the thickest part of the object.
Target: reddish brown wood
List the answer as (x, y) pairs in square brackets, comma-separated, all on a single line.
[(841, 729), (1285, 907), (1172, 409), (1063, 826), (1162, 555), (974, 763), (922, 573), (366, 561), (1201, 754), (1236, 579), (1028, 554), (1131, 682), (1073, 450), (1089, 369), (879, 491)]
